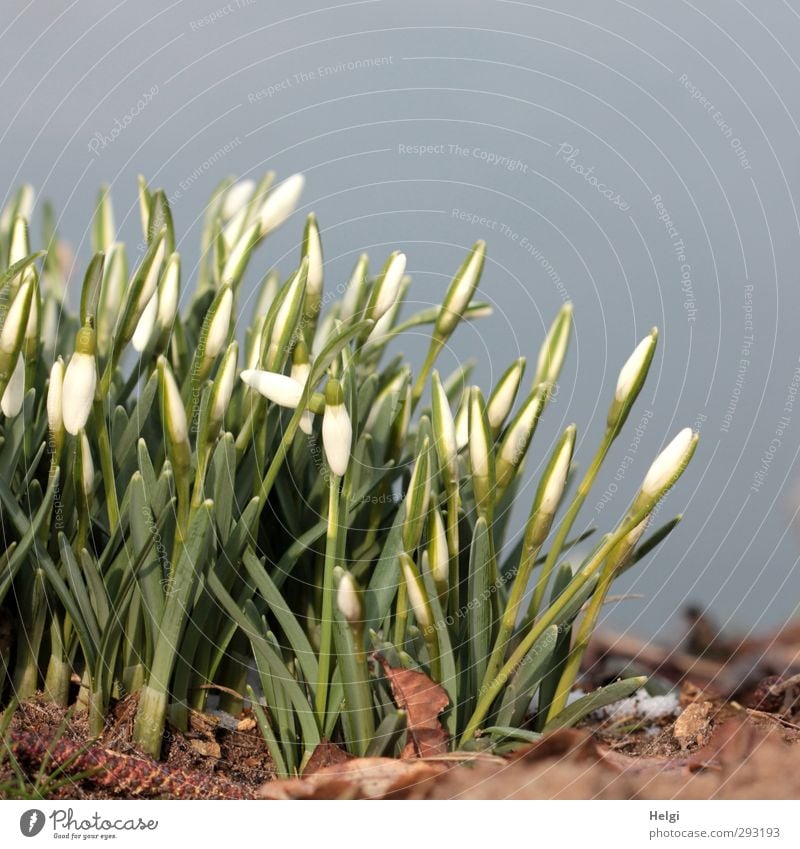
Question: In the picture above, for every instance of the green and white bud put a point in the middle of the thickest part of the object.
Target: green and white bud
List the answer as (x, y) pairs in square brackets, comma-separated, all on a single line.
[(348, 599), (312, 248), (480, 452), (219, 324), (351, 301), (173, 415), (417, 596), (631, 379), (289, 311), (280, 203), (444, 431), (337, 430), (80, 382), (14, 393), (462, 421), (169, 293), (13, 331), (550, 489), (554, 348), (387, 286), (438, 553), (222, 390), (461, 291), (236, 198), (87, 466), (278, 388), (237, 260), (115, 275), (144, 327), (55, 394), (669, 464), (518, 436), (504, 394), (20, 244), (417, 498)]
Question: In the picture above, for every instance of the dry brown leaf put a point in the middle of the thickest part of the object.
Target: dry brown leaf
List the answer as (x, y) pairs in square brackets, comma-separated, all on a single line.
[(423, 701), (358, 778), (693, 726), (326, 754)]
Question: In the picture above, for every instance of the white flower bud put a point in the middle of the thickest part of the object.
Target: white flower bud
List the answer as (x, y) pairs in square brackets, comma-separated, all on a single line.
[(388, 286), (438, 554), (239, 256), (55, 419), (416, 593), (87, 466), (237, 197), (169, 293), (355, 289), (153, 273), (20, 247), (14, 394), (556, 476), (519, 433), (348, 600), (337, 430), (9, 335), (278, 388), (632, 368), (462, 421), (554, 348), (223, 387), (669, 463), (461, 290), (219, 325), (80, 381), (174, 411), (478, 443), (144, 327), (502, 398), (280, 203), (313, 250), (444, 429)]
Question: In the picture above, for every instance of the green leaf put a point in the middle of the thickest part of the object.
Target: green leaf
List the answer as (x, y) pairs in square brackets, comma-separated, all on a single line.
[(520, 689), (92, 281), (224, 466), (479, 615), (574, 713)]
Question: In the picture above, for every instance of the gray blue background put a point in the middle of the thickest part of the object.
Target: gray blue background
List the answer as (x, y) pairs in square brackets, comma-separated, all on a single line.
[(697, 103)]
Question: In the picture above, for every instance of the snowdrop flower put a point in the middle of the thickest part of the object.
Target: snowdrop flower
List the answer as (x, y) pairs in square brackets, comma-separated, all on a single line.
[(438, 554), (237, 197), (444, 429), (555, 476), (55, 418), (219, 325), (280, 203), (144, 327), (337, 430), (237, 261), (416, 592), (355, 288), (554, 348), (87, 466), (502, 398), (669, 464), (312, 248), (348, 599), (387, 286), (14, 394), (222, 391), (169, 293), (631, 378), (173, 415), (518, 436), (278, 388), (461, 291), (13, 328), (80, 382)]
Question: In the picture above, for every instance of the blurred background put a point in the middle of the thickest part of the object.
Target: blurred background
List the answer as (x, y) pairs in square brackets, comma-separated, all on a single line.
[(639, 159)]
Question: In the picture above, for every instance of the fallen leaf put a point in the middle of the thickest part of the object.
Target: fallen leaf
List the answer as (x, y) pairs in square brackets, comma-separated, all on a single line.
[(357, 778), (423, 701), (326, 754), (246, 724), (693, 726), (207, 748)]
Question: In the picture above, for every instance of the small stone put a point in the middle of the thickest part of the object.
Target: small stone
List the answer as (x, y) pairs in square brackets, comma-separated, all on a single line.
[(693, 726)]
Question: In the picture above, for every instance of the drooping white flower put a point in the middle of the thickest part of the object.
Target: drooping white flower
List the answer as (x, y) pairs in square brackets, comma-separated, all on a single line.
[(669, 463), (55, 417), (278, 388), (337, 429), (348, 600), (14, 394), (80, 382), (280, 203)]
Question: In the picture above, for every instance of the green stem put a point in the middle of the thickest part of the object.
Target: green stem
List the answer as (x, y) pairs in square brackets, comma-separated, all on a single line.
[(326, 621), (427, 365), (566, 525), (551, 616)]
